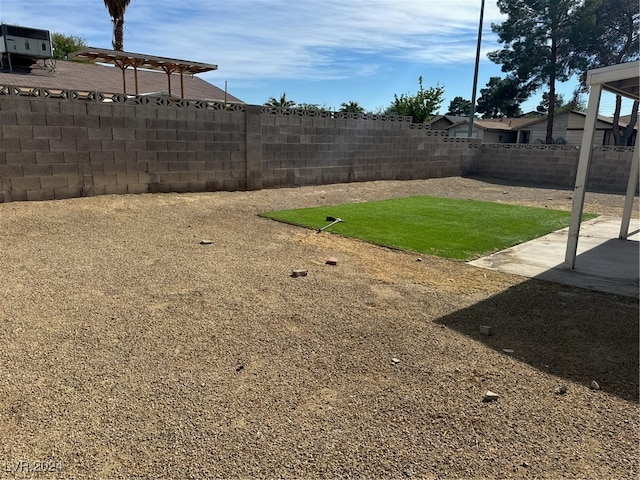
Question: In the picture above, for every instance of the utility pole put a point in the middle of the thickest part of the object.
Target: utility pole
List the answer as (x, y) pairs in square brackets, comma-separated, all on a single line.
[(475, 74)]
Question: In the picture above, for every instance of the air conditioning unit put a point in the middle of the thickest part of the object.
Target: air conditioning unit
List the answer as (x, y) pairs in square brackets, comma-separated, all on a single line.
[(25, 42)]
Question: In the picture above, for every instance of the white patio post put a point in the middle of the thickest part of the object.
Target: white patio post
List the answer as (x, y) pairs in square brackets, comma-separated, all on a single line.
[(582, 175), (631, 192)]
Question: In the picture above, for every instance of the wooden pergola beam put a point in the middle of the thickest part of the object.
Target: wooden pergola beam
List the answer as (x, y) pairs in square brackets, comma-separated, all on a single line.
[(123, 60)]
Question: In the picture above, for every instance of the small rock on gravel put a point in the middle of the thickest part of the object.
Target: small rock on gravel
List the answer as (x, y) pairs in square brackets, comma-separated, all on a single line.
[(562, 389), (205, 242), (594, 385), (485, 330), (395, 361), (299, 272), (490, 396), (332, 261)]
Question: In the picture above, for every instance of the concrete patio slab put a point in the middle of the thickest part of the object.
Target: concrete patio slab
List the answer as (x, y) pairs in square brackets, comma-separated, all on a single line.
[(604, 262)]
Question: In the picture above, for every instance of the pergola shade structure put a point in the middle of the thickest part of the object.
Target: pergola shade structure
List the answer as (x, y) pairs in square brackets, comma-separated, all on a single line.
[(124, 60), (622, 79)]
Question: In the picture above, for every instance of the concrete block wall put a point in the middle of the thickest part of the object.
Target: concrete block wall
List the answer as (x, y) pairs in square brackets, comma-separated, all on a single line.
[(82, 145), (52, 148), (609, 169), (556, 165), (303, 150), (550, 165)]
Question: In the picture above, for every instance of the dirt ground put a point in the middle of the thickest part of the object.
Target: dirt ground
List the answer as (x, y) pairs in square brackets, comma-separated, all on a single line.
[(129, 349)]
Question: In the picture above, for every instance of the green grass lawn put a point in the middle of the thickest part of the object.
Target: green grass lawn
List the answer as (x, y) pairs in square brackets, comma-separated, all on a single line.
[(450, 228)]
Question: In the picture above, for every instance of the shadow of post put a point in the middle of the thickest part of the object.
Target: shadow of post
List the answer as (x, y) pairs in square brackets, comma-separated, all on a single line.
[(574, 334)]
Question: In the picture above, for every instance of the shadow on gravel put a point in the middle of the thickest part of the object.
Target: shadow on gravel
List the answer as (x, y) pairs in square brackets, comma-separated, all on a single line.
[(575, 334)]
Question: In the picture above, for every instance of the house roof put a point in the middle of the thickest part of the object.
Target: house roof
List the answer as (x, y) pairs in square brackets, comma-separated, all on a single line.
[(101, 78), (504, 124), (623, 120), (452, 119)]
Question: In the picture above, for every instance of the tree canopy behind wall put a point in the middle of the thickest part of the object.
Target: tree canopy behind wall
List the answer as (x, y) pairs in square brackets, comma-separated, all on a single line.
[(422, 106), (63, 45), (543, 40)]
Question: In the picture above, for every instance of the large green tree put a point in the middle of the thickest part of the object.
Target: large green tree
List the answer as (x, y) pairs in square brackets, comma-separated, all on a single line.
[(501, 97), (459, 106), (422, 106), (63, 45), (116, 10), (616, 25), (541, 38)]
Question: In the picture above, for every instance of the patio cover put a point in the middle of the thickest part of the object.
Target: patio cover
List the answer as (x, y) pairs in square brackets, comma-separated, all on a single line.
[(622, 79), (123, 60)]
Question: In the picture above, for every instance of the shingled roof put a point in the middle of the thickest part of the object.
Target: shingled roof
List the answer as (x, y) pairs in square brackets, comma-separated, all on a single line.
[(101, 78), (504, 123)]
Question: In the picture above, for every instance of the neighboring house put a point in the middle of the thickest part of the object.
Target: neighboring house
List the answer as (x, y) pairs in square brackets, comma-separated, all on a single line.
[(108, 79), (568, 128), (491, 130), (442, 122)]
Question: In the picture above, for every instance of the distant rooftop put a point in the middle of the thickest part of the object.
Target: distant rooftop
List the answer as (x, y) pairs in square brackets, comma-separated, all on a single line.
[(505, 123)]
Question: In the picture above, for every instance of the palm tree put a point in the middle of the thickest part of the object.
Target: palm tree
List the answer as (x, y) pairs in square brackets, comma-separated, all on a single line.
[(280, 103), (116, 11), (351, 106)]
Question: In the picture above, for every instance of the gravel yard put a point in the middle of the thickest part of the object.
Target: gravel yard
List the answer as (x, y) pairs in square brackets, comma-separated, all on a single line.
[(130, 349)]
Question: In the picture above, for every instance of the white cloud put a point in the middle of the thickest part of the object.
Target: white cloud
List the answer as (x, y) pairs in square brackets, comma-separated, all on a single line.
[(274, 38)]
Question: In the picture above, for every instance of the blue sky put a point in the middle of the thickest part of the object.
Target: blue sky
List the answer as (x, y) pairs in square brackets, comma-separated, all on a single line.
[(323, 52)]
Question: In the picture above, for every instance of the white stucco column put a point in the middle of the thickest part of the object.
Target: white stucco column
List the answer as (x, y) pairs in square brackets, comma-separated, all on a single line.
[(631, 192), (582, 175)]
